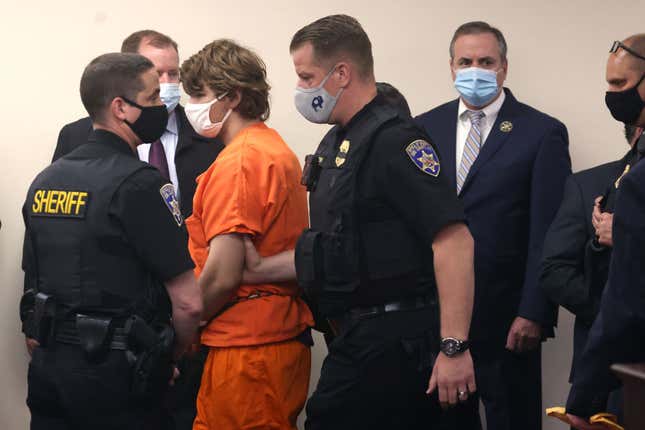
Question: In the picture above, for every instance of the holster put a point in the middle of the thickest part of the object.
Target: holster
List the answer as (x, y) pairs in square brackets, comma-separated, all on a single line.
[(43, 318), (94, 334), (308, 260), (150, 353), (326, 261), (27, 303), (311, 172)]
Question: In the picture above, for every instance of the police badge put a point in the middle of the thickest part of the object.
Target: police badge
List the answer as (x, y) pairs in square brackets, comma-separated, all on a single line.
[(424, 157), (170, 199), (341, 157)]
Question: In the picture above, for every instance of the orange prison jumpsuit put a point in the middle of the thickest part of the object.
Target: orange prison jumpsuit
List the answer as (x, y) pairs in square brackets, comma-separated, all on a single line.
[(256, 375)]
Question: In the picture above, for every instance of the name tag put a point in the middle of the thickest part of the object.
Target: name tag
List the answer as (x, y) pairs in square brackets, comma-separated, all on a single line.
[(60, 203)]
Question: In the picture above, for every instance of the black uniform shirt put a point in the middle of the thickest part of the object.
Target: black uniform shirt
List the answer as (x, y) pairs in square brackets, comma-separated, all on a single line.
[(147, 222), (390, 181), (138, 207)]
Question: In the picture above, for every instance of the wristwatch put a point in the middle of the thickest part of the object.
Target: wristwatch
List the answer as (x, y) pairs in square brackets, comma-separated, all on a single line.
[(451, 346)]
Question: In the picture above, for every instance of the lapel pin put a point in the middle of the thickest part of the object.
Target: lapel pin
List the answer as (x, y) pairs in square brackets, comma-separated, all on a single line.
[(506, 126)]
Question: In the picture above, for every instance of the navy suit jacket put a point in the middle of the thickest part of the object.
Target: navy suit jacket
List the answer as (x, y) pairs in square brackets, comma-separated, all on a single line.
[(193, 156), (574, 268), (616, 335), (510, 197)]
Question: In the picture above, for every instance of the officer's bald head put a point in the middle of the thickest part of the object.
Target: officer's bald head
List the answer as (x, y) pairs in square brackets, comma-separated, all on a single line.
[(625, 66), (637, 44)]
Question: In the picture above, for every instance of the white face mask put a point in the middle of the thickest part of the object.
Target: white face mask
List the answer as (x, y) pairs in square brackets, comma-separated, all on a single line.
[(198, 115)]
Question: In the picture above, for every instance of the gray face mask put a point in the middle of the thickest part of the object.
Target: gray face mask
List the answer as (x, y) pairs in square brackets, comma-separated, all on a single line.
[(316, 104)]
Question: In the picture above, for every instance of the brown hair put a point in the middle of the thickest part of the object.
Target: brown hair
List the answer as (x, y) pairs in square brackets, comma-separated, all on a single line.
[(226, 67), (479, 27), (109, 76), (394, 97), (151, 37), (334, 36)]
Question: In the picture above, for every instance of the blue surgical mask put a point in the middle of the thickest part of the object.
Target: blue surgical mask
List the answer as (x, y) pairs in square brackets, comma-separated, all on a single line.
[(316, 104), (170, 95), (476, 86)]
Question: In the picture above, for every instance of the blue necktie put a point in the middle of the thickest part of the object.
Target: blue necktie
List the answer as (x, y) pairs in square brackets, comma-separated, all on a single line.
[(471, 148)]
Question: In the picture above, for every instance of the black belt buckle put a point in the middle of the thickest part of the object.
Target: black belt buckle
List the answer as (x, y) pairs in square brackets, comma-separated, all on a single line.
[(337, 324)]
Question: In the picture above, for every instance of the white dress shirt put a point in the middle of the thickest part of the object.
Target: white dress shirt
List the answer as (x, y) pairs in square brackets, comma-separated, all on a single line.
[(485, 126), (169, 141)]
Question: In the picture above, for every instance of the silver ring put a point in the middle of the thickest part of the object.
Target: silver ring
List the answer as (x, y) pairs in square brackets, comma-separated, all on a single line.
[(462, 393)]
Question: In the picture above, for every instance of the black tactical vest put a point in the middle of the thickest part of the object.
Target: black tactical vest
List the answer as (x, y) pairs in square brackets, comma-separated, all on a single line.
[(80, 255), (345, 249)]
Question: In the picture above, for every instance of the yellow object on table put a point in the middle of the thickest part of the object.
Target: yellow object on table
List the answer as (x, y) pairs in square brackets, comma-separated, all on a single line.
[(609, 420)]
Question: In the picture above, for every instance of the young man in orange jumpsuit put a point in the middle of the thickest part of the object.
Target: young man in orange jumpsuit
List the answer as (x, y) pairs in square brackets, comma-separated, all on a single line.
[(257, 371)]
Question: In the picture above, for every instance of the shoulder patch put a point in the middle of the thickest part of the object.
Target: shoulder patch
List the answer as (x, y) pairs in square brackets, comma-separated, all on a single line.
[(424, 157), (170, 199)]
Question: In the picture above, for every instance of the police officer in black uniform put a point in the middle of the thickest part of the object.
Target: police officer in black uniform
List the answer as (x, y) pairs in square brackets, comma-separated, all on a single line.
[(380, 209), (617, 333), (106, 265)]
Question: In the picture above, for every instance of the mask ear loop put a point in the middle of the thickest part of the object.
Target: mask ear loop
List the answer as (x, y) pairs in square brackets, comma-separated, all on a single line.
[(212, 103), (324, 81), (215, 100)]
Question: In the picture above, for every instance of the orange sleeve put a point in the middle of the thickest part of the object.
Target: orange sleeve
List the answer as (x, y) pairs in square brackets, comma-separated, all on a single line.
[(235, 196)]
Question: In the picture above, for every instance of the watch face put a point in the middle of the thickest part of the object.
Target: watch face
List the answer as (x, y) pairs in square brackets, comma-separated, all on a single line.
[(449, 347)]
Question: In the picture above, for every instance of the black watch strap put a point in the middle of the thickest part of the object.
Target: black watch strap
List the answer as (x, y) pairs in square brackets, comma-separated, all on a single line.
[(451, 346)]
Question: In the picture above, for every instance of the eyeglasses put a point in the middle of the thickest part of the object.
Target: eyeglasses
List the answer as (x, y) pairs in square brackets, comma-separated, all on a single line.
[(617, 45)]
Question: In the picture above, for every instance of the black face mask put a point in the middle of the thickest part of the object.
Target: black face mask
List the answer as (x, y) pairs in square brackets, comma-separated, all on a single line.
[(151, 123), (625, 106)]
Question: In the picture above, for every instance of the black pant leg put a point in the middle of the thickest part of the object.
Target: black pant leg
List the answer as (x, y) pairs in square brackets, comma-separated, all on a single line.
[(523, 376), (181, 402), (42, 397), (375, 377), (89, 395), (464, 416), (510, 386), (492, 389)]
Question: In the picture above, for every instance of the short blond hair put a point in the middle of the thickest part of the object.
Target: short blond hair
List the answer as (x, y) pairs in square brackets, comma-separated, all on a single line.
[(226, 67)]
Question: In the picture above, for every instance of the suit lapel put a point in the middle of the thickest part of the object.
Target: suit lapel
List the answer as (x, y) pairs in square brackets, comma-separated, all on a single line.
[(184, 131), (496, 138), (445, 138)]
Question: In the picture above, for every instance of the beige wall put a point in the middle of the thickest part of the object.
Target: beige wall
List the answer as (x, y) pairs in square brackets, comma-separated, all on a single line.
[(557, 51)]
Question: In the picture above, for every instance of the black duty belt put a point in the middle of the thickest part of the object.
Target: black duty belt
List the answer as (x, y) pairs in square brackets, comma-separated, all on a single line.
[(340, 323), (67, 332)]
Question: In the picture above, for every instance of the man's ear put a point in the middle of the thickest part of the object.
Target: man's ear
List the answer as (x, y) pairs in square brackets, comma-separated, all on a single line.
[(235, 97), (117, 108), (343, 73)]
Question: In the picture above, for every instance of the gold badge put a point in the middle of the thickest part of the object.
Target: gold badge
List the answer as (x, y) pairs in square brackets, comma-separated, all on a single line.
[(506, 126), (626, 171), (344, 147), (342, 153)]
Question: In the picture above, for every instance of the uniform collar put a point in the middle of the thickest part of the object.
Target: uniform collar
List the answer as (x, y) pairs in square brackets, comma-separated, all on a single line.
[(114, 142), (375, 101)]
